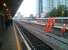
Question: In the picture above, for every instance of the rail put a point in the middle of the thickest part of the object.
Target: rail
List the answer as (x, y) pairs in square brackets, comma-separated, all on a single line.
[(22, 37)]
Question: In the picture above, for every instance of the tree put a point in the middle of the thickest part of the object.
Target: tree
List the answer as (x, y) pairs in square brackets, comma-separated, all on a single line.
[(52, 13), (61, 11)]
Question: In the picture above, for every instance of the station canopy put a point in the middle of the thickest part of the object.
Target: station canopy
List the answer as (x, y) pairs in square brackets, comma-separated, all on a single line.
[(12, 5)]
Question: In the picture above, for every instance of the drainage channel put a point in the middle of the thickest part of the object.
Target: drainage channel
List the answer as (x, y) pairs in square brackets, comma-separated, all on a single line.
[(35, 43)]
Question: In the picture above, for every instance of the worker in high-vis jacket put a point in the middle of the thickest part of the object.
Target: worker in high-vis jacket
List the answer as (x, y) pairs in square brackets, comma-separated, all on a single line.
[(49, 25)]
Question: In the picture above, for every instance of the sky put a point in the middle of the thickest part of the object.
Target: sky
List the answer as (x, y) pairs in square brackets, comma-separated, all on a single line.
[(27, 7)]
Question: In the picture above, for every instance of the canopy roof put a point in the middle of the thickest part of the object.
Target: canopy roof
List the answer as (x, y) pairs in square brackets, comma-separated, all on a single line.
[(12, 5)]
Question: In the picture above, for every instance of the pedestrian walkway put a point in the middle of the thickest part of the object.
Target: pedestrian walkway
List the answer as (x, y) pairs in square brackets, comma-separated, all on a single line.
[(57, 25), (60, 25)]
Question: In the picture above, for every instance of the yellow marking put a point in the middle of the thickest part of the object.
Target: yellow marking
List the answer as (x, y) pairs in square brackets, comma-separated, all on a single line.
[(17, 40)]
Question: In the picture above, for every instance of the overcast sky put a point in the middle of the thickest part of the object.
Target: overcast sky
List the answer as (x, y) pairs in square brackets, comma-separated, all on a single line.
[(28, 7)]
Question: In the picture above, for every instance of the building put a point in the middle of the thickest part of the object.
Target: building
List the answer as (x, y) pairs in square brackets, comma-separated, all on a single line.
[(55, 3), (40, 7), (48, 5)]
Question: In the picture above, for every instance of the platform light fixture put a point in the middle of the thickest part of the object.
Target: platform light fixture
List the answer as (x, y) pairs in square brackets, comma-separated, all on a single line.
[(4, 4)]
